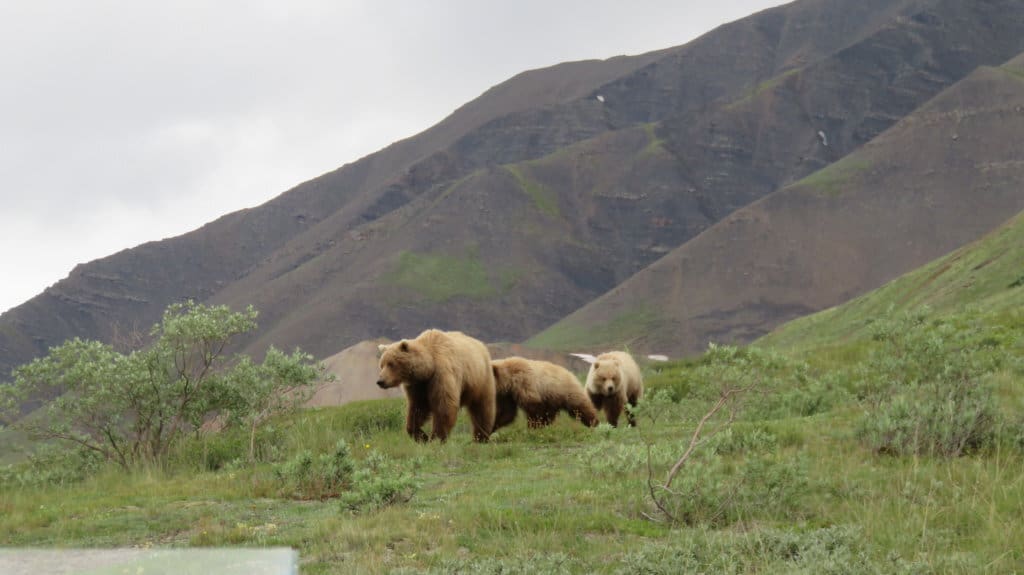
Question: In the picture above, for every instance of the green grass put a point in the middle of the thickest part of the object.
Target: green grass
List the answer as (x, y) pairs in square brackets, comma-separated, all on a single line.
[(562, 499), (759, 89), (1017, 73), (544, 199), (789, 487), (618, 332), (655, 144), (834, 178), (984, 276), (440, 277)]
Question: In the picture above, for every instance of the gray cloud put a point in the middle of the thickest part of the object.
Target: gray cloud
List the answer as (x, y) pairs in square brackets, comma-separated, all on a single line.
[(128, 121)]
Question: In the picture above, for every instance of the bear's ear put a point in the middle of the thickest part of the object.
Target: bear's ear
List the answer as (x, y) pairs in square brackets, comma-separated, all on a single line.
[(404, 346), (381, 347), (597, 365)]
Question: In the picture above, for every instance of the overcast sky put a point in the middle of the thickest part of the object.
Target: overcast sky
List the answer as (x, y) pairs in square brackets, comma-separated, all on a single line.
[(126, 121)]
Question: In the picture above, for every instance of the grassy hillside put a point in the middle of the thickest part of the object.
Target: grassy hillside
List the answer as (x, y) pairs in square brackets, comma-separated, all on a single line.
[(877, 437), (796, 483), (986, 277)]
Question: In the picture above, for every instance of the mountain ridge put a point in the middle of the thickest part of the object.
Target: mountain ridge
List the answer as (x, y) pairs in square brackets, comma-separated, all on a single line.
[(941, 177), (307, 256)]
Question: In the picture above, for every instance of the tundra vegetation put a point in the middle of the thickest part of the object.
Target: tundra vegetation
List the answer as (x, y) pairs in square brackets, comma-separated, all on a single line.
[(897, 449)]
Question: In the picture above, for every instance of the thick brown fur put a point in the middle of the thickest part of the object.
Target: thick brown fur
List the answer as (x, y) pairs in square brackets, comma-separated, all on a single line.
[(541, 389), (614, 380), (439, 372)]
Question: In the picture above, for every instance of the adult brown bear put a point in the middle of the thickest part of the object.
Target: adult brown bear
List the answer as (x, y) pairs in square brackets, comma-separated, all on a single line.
[(439, 372)]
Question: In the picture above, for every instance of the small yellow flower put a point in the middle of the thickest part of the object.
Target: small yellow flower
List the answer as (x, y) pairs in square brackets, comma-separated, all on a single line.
[(367, 446)]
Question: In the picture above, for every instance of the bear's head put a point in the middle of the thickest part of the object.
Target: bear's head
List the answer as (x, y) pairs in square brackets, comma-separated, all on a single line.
[(504, 376), (606, 377), (404, 362)]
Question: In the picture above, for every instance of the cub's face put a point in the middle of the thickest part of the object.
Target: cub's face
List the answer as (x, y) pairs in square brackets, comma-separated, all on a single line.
[(402, 362), (607, 378)]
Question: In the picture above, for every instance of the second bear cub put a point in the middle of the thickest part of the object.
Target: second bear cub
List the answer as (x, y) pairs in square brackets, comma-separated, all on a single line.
[(541, 389), (614, 380)]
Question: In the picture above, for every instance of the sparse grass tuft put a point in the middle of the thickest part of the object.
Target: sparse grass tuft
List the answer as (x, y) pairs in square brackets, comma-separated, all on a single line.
[(834, 178), (439, 278), (545, 200)]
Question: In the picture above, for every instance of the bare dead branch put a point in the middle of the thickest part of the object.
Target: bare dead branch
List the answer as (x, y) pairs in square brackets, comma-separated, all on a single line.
[(697, 438)]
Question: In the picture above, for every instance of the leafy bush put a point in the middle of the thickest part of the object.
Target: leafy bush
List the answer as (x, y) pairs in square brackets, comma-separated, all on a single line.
[(320, 477), (656, 404), (377, 483), (714, 492), (737, 439), (139, 406), (52, 465), (373, 483), (946, 422), (228, 448), (776, 387), (797, 395), (924, 388), (614, 458), (830, 550)]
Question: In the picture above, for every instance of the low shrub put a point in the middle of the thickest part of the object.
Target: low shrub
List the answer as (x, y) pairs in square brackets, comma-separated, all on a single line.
[(379, 482), (317, 477), (371, 417), (715, 492), (939, 421), (924, 389), (614, 458), (52, 464), (374, 482), (228, 448), (743, 439), (830, 550)]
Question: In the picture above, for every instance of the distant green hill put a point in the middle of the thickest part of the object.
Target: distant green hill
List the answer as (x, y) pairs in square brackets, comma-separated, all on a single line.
[(986, 277)]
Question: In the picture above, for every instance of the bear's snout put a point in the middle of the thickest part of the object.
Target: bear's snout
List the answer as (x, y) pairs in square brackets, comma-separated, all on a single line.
[(381, 384)]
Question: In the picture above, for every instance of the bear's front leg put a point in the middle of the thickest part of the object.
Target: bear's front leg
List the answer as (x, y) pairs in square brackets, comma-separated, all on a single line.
[(506, 412), (417, 414), (629, 412), (444, 422), (612, 409), (483, 417)]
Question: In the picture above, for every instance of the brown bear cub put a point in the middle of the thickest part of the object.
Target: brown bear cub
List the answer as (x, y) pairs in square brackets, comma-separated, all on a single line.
[(614, 379), (439, 372), (541, 389)]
